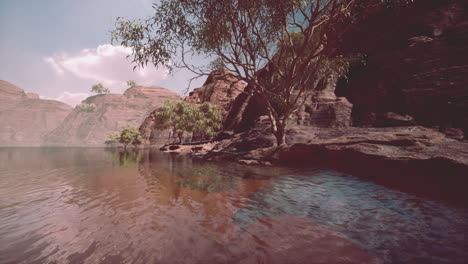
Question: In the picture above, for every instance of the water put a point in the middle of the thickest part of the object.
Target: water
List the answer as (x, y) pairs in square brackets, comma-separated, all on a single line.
[(89, 205)]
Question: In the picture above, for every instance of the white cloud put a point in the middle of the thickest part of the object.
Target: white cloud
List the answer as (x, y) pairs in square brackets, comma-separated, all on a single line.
[(71, 98), (106, 64), (57, 69)]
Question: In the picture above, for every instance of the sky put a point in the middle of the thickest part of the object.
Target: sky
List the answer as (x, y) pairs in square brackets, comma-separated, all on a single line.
[(60, 48)]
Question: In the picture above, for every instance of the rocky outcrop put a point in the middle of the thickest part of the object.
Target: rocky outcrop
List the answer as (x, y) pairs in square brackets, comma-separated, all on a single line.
[(322, 109), (220, 89), (25, 118), (91, 128), (399, 156), (416, 65), (325, 109)]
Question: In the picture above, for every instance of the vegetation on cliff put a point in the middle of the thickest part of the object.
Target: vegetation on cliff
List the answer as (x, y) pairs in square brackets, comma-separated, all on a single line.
[(131, 83), (180, 117), (100, 89), (84, 107)]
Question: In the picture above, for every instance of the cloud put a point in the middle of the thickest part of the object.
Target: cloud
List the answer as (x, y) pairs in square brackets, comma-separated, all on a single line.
[(57, 69), (107, 64), (71, 98)]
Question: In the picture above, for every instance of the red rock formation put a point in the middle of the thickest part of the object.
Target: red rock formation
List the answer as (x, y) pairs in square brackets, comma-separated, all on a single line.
[(219, 89), (112, 111), (323, 109), (417, 65), (24, 118)]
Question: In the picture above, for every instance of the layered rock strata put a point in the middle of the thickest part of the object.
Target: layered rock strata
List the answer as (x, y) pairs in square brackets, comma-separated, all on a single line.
[(25, 118), (111, 112)]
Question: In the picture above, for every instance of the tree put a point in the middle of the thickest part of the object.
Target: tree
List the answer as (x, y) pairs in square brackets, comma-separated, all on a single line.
[(128, 135), (100, 89), (183, 117), (276, 47), (131, 83)]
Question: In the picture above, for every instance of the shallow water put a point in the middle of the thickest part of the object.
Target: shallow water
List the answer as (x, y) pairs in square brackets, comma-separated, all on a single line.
[(89, 205)]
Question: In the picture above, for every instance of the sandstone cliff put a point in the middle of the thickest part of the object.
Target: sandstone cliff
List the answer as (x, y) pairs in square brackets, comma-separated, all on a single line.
[(416, 66), (24, 118), (219, 89), (91, 128)]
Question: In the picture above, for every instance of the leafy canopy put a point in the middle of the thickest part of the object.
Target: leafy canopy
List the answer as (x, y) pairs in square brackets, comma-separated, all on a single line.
[(180, 117), (276, 47), (128, 135), (84, 107), (100, 89), (131, 83)]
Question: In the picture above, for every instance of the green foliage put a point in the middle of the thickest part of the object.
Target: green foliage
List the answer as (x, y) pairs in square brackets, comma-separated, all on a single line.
[(131, 83), (128, 135), (84, 107), (125, 158), (275, 46), (183, 117), (217, 65), (100, 89)]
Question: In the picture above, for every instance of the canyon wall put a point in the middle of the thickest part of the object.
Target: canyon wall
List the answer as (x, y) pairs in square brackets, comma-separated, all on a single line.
[(416, 66), (25, 118), (111, 112)]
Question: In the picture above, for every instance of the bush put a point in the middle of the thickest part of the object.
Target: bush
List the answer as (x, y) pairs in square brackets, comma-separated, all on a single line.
[(183, 117), (84, 107), (100, 89), (131, 83), (128, 135)]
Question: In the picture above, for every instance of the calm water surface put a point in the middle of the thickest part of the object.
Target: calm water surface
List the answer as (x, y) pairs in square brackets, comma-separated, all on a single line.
[(72, 205)]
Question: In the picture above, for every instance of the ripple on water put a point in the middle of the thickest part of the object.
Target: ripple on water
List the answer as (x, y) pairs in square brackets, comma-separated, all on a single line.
[(92, 206)]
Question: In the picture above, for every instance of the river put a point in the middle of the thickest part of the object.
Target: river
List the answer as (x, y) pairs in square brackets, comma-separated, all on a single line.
[(92, 205)]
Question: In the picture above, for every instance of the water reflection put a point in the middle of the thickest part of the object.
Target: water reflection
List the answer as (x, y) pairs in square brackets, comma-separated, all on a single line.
[(100, 206)]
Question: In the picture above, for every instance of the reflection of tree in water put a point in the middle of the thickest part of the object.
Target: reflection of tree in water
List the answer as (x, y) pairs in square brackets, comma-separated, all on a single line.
[(205, 177), (184, 172), (125, 158)]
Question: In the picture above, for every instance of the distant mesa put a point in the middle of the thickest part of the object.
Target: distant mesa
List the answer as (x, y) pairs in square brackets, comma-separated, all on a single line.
[(25, 118), (102, 114)]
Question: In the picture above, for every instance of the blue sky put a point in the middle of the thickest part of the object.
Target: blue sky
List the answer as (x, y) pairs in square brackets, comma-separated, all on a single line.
[(59, 48)]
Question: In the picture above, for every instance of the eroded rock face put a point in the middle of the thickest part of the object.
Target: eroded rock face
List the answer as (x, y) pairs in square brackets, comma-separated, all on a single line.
[(24, 118), (219, 89), (112, 111), (417, 65), (322, 109)]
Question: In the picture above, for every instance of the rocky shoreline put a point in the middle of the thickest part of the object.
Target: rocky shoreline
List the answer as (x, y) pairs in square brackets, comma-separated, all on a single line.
[(401, 157)]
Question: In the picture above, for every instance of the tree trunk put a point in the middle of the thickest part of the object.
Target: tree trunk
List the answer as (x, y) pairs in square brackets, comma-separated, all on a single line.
[(180, 137), (280, 134)]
